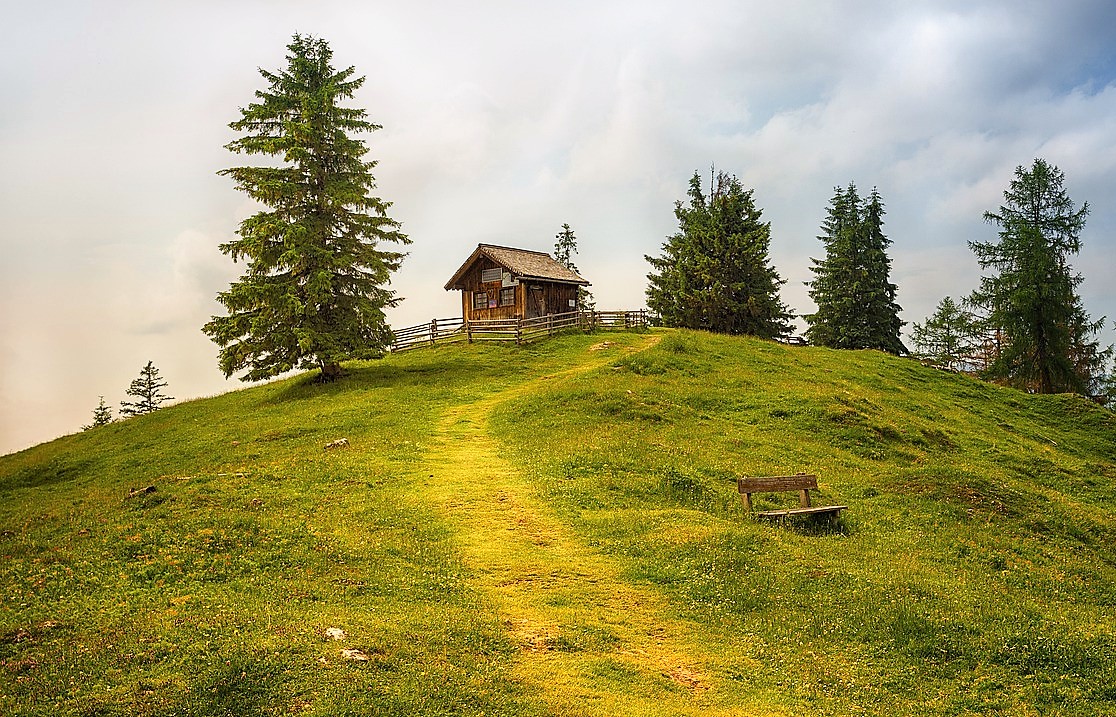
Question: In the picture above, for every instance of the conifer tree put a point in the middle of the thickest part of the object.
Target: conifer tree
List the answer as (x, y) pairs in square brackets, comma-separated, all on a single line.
[(948, 337), (1046, 339), (564, 249), (102, 415), (148, 391), (314, 291), (714, 273), (837, 309), (851, 287)]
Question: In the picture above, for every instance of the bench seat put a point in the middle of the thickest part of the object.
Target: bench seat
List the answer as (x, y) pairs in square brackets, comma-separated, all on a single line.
[(789, 512)]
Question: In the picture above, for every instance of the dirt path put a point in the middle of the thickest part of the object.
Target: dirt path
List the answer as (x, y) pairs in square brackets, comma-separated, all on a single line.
[(591, 643)]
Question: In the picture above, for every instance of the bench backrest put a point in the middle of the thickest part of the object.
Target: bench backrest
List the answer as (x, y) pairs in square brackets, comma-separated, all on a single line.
[(776, 484), (801, 482)]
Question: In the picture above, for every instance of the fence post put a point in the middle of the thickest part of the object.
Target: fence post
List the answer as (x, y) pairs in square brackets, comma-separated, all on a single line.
[(518, 331), (468, 331), (433, 331)]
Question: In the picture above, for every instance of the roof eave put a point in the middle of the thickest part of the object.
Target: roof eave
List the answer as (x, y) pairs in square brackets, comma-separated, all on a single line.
[(552, 280), (454, 283)]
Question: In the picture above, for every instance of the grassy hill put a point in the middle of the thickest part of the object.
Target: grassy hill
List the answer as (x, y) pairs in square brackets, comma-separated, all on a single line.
[(554, 529)]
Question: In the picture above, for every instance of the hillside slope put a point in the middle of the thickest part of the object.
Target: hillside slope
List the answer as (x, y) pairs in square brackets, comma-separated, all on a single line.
[(554, 530)]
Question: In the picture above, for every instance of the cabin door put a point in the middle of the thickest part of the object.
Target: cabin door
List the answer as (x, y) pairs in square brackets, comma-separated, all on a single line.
[(536, 302)]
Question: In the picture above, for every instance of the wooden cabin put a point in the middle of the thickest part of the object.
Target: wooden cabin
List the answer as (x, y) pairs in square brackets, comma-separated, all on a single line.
[(498, 282)]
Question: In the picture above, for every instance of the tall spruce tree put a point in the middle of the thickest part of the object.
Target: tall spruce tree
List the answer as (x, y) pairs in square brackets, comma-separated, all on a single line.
[(565, 246), (714, 273), (1045, 338), (314, 291), (148, 391), (851, 287)]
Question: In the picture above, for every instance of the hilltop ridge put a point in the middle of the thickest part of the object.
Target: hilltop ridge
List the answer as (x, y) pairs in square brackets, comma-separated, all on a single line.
[(554, 529)]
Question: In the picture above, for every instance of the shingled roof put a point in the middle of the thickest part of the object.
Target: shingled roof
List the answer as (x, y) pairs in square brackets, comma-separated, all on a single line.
[(521, 263)]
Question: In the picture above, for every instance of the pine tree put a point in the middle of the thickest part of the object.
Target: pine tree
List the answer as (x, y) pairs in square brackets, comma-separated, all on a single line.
[(314, 291), (1045, 337), (851, 287), (102, 415), (948, 337), (564, 249), (881, 307), (148, 390), (714, 273), (837, 309)]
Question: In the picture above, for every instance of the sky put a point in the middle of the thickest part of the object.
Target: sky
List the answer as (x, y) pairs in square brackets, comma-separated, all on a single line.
[(500, 122)]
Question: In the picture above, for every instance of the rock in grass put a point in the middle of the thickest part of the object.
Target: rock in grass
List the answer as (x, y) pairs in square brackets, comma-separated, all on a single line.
[(355, 655)]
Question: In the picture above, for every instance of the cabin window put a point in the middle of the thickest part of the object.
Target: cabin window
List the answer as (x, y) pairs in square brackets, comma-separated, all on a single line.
[(480, 299), (507, 296), (489, 276)]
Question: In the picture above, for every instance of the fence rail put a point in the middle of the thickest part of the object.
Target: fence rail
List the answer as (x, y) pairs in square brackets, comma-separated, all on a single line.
[(520, 331)]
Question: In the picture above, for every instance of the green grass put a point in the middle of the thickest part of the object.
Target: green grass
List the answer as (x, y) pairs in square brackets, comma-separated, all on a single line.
[(211, 595), (974, 572), (555, 530)]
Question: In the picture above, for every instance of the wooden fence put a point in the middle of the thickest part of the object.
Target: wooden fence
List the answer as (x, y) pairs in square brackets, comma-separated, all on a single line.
[(520, 331)]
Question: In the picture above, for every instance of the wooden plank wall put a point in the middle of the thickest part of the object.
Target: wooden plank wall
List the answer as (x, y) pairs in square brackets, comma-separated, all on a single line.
[(531, 299), (473, 284), (546, 298)]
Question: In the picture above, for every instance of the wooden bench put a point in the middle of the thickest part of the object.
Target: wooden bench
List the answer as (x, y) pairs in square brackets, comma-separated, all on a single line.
[(802, 482)]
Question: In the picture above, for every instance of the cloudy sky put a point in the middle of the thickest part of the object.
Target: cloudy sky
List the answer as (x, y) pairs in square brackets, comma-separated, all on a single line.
[(501, 121)]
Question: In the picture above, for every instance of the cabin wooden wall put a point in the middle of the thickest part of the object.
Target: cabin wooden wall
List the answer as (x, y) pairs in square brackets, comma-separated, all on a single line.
[(546, 298), (531, 300), (472, 283)]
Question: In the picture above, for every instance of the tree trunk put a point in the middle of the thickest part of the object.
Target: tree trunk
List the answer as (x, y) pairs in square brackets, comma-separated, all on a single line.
[(331, 371)]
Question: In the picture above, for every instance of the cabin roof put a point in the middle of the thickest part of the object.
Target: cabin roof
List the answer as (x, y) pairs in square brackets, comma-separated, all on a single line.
[(522, 263)]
